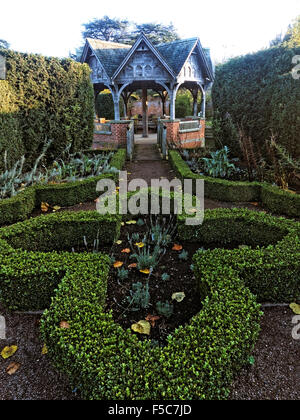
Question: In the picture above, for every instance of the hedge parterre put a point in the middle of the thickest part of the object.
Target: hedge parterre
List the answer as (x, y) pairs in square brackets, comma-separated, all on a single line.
[(106, 362)]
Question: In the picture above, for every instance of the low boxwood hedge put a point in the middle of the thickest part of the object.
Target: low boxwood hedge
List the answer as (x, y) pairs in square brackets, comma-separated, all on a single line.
[(274, 199), (31, 266), (21, 206), (270, 268), (201, 358)]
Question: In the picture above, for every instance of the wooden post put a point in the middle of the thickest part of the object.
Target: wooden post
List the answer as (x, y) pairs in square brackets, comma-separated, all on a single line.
[(195, 104), (203, 105), (145, 113), (164, 141)]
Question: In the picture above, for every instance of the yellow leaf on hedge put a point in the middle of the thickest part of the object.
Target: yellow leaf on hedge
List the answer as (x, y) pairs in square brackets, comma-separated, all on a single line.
[(8, 351), (142, 327), (64, 325), (145, 271), (295, 308)]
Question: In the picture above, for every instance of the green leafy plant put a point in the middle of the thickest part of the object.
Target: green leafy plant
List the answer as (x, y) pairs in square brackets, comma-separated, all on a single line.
[(219, 164), (139, 297), (122, 274), (183, 256), (165, 309)]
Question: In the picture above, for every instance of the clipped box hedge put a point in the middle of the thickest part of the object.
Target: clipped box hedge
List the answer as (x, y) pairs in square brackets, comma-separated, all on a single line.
[(19, 207), (31, 266), (270, 268), (275, 200), (103, 360)]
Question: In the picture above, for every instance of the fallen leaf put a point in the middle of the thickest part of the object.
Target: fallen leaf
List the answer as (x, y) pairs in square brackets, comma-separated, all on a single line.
[(8, 351), (55, 208), (122, 224), (119, 242), (44, 207), (131, 222), (12, 368), (152, 319), (145, 271), (178, 296), (295, 308), (44, 349), (126, 251), (140, 244), (118, 264), (177, 247), (64, 325), (254, 203), (133, 265), (191, 211), (97, 200), (142, 327)]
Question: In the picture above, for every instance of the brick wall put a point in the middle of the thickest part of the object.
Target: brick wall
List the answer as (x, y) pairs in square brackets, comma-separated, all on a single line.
[(116, 138), (185, 140)]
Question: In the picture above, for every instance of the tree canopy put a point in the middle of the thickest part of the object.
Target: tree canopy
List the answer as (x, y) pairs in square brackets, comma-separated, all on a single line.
[(107, 29), (4, 44), (123, 31), (157, 33), (292, 38)]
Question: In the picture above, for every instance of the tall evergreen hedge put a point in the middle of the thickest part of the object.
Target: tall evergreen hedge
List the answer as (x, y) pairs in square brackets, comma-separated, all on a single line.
[(259, 93), (41, 99)]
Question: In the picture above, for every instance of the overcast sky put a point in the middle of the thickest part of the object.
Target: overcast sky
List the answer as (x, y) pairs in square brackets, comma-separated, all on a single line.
[(228, 27)]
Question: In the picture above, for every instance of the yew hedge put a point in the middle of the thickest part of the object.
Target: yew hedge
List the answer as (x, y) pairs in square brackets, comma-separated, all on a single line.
[(273, 198)]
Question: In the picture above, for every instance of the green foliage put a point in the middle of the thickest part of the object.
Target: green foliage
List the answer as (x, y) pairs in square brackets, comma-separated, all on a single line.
[(198, 362), (183, 256), (123, 31), (270, 268), (48, 98), (273, 198), (62, 231), (165, 309), (219, 164), (67, 194), (105, 106), (261, 96), (10, 130), (14, 179), (122, 274), (201, 358), (33, 267), (157, 32), (165, 277), (139, 297), (107, 29), (292, 38), (183, 104)]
